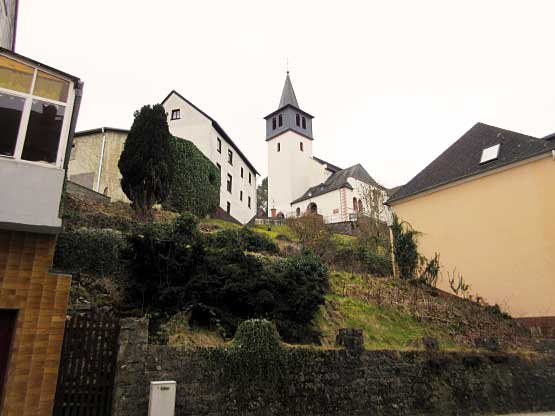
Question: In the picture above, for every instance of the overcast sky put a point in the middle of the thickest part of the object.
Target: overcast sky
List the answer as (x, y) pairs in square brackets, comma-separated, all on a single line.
[(391, 83)]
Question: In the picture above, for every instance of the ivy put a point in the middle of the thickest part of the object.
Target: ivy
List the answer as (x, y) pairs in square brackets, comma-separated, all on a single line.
[(196, 182)]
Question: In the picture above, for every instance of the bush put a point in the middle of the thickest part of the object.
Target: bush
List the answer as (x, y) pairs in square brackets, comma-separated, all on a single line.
[(244, 238), (405, 248), (91, 251), (313, 234), (196, 181), (356, 258)]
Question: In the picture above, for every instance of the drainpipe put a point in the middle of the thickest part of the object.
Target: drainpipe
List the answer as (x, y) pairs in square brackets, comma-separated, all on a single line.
[(101, 160)]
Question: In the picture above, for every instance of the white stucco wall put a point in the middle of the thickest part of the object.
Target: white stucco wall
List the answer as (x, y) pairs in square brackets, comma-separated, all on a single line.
[(359, 191), (291, 171), (197, 128), (30, 195)]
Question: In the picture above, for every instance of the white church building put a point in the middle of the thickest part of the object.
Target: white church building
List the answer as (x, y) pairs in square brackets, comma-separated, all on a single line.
[(300, 183)]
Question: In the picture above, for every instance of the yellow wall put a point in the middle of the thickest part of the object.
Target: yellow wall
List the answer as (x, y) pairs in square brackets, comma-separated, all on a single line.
[(498, 231)]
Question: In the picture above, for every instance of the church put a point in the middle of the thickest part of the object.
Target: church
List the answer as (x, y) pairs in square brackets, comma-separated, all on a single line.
[(301, 183)]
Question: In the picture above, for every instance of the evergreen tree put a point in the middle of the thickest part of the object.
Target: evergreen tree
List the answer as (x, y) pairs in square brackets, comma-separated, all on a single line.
[(262, 196), (146, 163)]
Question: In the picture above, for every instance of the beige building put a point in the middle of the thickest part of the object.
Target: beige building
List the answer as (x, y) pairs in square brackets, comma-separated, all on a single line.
[(94, 158), (487, 205)]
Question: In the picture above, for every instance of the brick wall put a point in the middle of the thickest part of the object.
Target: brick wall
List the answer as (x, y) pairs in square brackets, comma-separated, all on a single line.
[(334, 381), (40, 299)]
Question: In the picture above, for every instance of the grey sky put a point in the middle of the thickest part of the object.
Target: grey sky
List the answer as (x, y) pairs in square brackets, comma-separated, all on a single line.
[(391, 83)]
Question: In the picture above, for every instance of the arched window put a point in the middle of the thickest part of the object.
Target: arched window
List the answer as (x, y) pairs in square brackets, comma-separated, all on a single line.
[(301, 146), (304, 123), (312, 208), (360, 205), (298, 119), (280, 120), (274, 123), (298, 211), (280, 215), (355, 205)]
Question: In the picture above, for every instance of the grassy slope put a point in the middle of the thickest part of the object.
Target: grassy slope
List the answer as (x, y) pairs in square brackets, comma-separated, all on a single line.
[(383, 327)]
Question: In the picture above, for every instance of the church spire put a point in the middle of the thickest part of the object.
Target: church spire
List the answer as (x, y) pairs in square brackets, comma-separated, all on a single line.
[(288, 95)]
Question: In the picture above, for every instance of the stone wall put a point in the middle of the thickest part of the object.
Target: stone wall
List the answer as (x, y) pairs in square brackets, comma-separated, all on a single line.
[(332, 382)]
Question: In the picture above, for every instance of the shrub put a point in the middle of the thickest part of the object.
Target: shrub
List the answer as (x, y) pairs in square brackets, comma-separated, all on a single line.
[(353, 257), (244, 238), (312, 233), (405, 248), (196, 181), (146, 163), (91, 251)]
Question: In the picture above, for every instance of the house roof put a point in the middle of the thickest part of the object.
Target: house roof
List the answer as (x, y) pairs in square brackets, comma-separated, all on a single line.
[(329, 166), (99, 130), (462, 159), (338, 180), (288, 94), (217, 127)]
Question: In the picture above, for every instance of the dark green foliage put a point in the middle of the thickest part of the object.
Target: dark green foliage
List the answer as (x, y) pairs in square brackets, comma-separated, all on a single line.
[(244, 238), (91, 251), (174, 268), (262, 196), (430, 270), (196, 182), (405, 248), (146, 163)]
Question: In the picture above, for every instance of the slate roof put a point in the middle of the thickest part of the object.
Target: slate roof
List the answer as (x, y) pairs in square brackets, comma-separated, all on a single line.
[(288, 94), (217, 127), (338, 180), (331, 167), (462, 159)]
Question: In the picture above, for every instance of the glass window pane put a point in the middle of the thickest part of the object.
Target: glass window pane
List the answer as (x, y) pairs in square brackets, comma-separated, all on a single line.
[(49, 86), (11, 109), (15, 76), (43, 132)]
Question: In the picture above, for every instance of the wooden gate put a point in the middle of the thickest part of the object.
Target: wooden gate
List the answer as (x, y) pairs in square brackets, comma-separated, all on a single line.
[(87, 367)]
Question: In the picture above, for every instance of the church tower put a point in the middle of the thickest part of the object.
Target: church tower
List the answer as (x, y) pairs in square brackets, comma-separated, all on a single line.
[(289, 139)]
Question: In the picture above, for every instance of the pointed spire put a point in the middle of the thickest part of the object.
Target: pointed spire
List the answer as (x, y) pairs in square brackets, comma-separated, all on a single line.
[(288, 95)]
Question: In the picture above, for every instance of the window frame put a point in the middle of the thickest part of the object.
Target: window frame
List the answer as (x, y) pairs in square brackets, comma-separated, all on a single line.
[(274, 123), (280, 120), (229, 183), (298, 119), (301, 146), (249, 202), (242, 172), (303, 122), (26, 113), (279, 147), (230, 157), (176, 111), (250, 178), (219, 145), (241, 196)]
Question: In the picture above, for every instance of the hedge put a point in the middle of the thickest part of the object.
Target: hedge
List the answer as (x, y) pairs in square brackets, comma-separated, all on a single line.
[(196, 182)]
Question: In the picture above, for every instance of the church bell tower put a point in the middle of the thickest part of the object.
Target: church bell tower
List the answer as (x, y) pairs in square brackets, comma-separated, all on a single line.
[(289, 139)]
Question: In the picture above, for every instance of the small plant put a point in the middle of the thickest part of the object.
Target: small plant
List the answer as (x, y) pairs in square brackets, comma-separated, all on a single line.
[(457, 284), (430, 270)]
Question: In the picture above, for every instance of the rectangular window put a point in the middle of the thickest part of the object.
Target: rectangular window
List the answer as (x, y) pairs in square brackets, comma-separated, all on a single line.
[(219, 145), (176, 114), (229, 182), (301, 146), (274, 123), (15, 75), (230, 157), (278, 147), (43, 132), (304, 123), (240, 195), (280, 120), (249, 203), (11, 109), (51, 87), (250, 178), (228, 208), (241, 171), (219, 167)]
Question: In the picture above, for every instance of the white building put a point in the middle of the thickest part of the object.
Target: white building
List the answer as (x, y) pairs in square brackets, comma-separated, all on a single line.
[(299, 182), (8, 23), (238, 175)]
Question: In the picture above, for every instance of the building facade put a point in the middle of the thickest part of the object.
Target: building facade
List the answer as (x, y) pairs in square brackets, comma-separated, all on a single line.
[(94, 159), (8, 23), (38, 112), (299, 182), (486, 205), (238, 175)]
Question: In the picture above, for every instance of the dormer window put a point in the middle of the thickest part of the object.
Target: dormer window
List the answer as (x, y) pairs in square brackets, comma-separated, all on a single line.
[(298, 119), (274, 123), (280, 120), (33, 112), (304, 123), (176, 114), (489, 154)]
